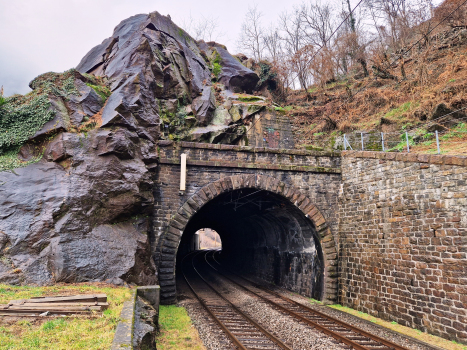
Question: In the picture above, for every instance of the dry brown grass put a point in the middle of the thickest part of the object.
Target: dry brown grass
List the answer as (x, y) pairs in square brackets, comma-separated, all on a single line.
[(444, 80)]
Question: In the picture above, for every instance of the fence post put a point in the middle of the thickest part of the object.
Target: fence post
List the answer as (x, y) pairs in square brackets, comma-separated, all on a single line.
[(346, 143), (407, 138), (363, 148), (437, 142), (382, 140)]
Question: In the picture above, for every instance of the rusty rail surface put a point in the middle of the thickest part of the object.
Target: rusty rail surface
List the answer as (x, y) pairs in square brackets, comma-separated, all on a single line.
[(244, 332), (350, 335)]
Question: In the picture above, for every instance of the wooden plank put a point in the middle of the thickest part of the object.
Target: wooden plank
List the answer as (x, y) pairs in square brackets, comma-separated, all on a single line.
[(36, 312), (104, 306), (102, 298), (53, 308)]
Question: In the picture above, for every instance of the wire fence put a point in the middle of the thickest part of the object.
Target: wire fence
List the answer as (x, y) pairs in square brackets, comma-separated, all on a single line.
[(438, 135)]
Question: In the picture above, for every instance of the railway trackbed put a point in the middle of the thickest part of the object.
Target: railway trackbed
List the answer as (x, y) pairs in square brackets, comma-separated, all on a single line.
[(244, 332), (350, 335)]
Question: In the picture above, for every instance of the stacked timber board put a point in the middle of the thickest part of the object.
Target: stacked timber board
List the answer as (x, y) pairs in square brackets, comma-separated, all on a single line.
[(59, 305)]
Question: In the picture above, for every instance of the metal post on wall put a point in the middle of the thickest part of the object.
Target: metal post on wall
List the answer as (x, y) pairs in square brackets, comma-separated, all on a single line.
[(361, 135), (382, 140), (437, 142), (346, 143), (407, 138), (182, 174)]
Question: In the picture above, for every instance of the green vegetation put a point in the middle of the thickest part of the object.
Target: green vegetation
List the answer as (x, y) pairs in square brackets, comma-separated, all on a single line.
[(103, 91), (20, 119), (458, 132), (399, 111), (267, 74), (251, 98), (216, 64), (313, 148), (177, 125), (62, 333), (9, 159), (177, 331)]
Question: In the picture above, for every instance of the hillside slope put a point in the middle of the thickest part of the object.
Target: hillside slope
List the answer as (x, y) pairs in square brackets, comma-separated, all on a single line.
[(435, 85)]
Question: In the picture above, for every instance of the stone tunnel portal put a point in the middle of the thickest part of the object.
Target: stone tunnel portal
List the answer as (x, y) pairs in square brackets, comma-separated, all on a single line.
[(265, 235)]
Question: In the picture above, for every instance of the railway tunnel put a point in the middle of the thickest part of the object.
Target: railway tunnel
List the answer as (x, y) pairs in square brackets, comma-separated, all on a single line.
[(264, 235)]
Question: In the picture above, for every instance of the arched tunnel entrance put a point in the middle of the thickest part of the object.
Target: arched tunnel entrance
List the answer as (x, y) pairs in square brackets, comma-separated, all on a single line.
[(269, 231), (264, 235)]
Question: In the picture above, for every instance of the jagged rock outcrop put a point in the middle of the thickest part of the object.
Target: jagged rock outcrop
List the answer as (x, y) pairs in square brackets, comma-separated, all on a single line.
[(77, 215), (82, 212)]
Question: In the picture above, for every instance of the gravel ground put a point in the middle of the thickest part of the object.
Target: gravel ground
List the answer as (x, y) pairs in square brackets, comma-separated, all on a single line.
[(210, 333), (295, 334), (353, 320)]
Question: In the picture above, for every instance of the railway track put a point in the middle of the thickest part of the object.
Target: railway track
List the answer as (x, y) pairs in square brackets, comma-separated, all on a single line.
[(352, 336), (243, 331)]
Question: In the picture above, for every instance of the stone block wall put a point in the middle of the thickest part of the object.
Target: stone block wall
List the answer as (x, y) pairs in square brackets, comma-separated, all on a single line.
[(403, 239), (315, 174), (269, 129)]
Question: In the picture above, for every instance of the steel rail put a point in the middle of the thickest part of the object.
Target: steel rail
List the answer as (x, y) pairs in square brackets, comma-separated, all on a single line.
[(325, 330), (234, 339)]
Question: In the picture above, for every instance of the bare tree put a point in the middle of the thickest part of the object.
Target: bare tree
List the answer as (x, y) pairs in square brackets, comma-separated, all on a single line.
[(252, 34), (204, 28), (319, 23), (455, 16), (294, 41), (356, 49), (273, 44)]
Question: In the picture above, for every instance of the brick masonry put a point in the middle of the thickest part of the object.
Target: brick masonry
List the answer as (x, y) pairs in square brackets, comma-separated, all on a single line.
[(309, 180), (398, 222), (403, 239)]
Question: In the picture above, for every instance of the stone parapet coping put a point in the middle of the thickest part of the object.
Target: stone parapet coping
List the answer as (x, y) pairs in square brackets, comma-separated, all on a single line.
[(250, 165), (250, 149), (123, 338), (409, 157)]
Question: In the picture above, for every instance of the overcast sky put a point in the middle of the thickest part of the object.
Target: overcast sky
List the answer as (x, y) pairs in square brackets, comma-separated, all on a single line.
[(38, 36)]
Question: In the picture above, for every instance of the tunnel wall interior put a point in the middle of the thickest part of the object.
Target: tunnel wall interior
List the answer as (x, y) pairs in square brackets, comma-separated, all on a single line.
[(263, 235)]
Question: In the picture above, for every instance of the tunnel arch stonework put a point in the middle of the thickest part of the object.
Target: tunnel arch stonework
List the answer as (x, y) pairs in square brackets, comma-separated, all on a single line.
[(170, 240)]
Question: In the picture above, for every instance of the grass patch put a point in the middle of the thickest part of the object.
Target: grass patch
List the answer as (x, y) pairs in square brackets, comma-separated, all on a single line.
[(103, 91), (414, 333), (177, 331), (250, 99), (9, 160), (62, 333), (398, 112)]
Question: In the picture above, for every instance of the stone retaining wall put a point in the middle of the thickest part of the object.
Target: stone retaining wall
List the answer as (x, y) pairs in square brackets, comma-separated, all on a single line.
[(403, 239)]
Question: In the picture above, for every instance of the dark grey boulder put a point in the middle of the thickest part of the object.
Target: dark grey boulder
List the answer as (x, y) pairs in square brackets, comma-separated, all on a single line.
[(58, 221), (204, 106), (234, 75)]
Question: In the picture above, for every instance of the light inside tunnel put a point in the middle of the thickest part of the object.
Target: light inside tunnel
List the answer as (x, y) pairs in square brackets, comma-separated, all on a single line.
[(265, 235), (208, 239)]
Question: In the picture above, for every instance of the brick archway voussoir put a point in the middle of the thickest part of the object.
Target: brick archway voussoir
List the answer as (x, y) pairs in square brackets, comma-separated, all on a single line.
[(172, 237)]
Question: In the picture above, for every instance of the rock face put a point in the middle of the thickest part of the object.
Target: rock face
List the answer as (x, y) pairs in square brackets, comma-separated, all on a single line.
[(149, 62), (84, 219), (82, 213)]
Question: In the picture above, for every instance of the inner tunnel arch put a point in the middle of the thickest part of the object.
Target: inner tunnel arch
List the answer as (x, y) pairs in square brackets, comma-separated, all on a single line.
[(267, 227)]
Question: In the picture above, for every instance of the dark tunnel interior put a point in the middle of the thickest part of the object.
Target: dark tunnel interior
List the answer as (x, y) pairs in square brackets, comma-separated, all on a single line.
[(265, 235)]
